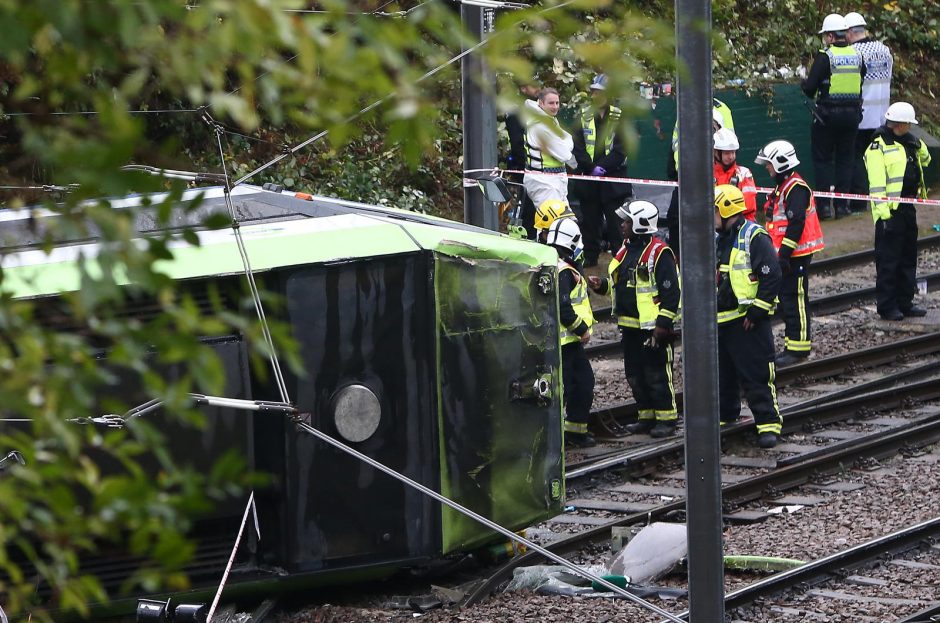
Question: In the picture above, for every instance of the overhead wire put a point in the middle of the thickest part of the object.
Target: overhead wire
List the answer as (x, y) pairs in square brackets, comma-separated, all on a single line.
[(380, 101)]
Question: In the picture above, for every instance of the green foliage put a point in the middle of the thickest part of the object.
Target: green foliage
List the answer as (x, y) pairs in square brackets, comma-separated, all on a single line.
[(268, 78)]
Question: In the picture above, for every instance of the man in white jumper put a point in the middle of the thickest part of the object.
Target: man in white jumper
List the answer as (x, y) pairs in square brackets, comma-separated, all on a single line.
[(876, 96), (548, 150)]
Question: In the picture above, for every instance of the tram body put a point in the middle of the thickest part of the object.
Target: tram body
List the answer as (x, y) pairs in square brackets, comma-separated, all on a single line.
[(429, 346)]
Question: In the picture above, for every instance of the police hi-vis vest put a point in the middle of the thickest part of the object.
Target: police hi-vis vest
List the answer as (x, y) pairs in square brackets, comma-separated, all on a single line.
[(886, 164), (845, 83), (644, 285), (777, 220), (743, 280), (579, 302), (590, 131)]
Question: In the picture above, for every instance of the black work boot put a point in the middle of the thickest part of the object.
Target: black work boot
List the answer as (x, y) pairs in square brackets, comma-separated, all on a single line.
[(641, 427), (666, 428), (768, 439), (914, 312), (580, 440)]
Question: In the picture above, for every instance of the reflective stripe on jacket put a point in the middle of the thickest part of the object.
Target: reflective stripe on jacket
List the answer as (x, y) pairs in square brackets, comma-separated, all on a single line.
[(886, 163), (590, 131), (579, 302), (643, 284), (744, 282), (812, 238)]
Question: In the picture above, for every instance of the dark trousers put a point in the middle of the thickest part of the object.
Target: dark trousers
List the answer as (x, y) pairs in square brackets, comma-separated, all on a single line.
[(600, 224), (859, 172), (896, 260), (833, 146), (794, 306), (746, 362), (649, 373), (578, 379)]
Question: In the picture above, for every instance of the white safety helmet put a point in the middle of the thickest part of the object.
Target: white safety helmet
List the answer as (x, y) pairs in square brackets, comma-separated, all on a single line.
[(718, 118), (854, 19), (780, 154), (726, 140), (642, 214), (833, 23), (565, 233), (901, 112)]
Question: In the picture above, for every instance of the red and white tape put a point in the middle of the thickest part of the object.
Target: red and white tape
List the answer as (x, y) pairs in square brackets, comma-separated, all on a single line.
[(469, 182)]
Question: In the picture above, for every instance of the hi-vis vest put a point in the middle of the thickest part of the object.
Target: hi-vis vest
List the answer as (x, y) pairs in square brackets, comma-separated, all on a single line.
[(845, 83), (727, 121), (886, 165), (743, 280), (590, 132), (644, 285), (777, 221), (579, 301), (535, 159)]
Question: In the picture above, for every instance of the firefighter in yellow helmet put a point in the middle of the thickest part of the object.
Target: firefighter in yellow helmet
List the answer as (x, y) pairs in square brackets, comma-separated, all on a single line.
[(748, 283), (547, 213)]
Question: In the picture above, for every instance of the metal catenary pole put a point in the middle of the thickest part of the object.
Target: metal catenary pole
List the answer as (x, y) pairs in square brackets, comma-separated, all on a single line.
[(479, 117), (699, 357)]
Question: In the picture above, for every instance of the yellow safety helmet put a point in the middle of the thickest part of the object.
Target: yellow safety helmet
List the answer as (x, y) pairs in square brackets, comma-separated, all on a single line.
[(550, 211), (729, 200)]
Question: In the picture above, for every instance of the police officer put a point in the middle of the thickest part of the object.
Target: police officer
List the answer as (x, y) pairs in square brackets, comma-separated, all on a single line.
[(599, 151), (576, 318), (791, 220), (748, 283), (644, 286), (728, 171), (835, 80), (876, 96), (895, 162)]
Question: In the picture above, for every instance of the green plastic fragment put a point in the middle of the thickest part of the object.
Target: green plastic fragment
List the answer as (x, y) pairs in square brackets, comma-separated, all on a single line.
[(616, 580), (761, 563)]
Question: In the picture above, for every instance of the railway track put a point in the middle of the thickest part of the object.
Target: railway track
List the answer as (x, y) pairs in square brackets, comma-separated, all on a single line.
[(886, 436), (821, 306), (611, 421)]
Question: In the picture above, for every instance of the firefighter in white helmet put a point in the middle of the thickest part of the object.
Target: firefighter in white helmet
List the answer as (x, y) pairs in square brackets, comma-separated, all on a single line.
[(576, 317), (791, 220), (728, 171), (643, 284), (895, 162)]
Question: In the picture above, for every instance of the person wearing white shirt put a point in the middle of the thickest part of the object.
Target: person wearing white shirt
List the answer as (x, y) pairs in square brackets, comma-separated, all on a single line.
[(548, 150)]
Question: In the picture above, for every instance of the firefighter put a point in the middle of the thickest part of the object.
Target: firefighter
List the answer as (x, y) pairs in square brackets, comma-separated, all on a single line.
[(547, 213), (643, 284), (793, 224), (721, 118), (728, 171), (895, 161), (576, 319), (748, 282)]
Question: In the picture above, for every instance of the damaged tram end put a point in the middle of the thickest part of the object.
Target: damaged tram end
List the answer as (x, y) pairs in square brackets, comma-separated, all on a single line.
[(428, 346)]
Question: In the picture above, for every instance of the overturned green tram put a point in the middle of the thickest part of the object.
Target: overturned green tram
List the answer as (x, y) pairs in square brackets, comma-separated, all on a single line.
[(428, 345)]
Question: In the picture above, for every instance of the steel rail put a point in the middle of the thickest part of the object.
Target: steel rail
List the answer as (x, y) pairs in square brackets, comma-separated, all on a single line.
[(825, 568), (795, 420), (613, 418), (928, 615), (879, 444)]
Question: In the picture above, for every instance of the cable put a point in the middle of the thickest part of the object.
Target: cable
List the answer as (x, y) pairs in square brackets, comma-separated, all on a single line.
[(378, 102), (95, 112)]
